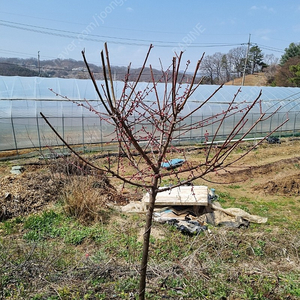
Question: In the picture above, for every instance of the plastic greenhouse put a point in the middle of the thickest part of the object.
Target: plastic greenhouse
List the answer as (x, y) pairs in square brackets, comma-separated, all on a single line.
[(23, 98)]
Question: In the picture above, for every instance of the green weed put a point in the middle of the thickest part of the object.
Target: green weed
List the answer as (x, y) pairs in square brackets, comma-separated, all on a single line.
[(259, 249), (290, 284), (11, 226), (127, 285), (234, 186), (297, 166), (42, 224), (225, 197)]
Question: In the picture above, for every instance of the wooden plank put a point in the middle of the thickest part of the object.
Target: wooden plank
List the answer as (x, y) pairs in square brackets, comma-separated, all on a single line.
[(184, 195)]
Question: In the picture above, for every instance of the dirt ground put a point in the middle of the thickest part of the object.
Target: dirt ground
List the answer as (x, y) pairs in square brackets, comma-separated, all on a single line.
[(271, 170), (263, 259), (42, 183)]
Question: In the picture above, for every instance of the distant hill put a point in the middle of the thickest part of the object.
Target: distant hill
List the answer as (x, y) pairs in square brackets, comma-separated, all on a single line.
[(69, 68), (8, 69)]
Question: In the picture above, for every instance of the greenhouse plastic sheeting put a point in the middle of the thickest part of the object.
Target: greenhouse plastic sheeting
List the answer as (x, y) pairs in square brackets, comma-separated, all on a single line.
[(23, 98)]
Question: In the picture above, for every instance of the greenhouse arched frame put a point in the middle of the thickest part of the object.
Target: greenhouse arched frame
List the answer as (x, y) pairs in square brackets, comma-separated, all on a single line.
[(23, 98)]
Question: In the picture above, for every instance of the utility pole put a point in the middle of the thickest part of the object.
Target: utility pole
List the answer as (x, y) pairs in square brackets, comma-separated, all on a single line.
[(39, 66), (246, 60)]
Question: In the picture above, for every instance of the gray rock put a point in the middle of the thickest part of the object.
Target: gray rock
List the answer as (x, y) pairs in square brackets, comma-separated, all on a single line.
[(17, 170)]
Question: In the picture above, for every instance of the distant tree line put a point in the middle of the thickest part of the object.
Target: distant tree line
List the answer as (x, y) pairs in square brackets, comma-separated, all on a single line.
[(217, 68), (220, 68), (70, 68)]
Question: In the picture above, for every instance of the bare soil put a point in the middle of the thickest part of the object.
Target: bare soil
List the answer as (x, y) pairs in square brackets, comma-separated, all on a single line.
[(42, 184), (280, 177), (272, 170), (28, 192)]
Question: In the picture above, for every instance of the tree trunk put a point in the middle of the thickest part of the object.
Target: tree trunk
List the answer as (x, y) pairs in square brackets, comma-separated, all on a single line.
[(146, 241)]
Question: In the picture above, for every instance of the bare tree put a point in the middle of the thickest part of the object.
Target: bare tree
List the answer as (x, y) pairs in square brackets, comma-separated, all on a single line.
[(146, 133), (237, 58), (207, 67), (218, 66), (272, 67), (213, 67), (226, 68)]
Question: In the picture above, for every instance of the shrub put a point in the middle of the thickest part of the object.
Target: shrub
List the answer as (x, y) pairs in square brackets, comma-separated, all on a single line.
[(87, 198)]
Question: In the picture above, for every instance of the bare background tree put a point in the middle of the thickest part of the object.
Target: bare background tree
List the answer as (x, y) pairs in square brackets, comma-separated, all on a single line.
[(146, 132), (272, 67), (237, 57)]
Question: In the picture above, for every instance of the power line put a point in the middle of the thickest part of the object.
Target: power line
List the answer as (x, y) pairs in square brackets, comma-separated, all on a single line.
[(64, 33), (103, 38), (118, 40), (120, 28), (30, 55), (270, 48)]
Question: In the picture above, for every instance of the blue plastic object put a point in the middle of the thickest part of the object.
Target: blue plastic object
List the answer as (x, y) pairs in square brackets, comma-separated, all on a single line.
[(173, 163)]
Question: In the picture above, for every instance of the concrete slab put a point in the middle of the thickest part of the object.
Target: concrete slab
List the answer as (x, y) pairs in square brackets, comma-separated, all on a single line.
[(184, 195)]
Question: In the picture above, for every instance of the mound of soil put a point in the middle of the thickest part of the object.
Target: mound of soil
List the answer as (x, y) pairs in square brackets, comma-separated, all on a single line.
[(281, 177), (27, 193), (286, 186), (265, 170), (42, 184)]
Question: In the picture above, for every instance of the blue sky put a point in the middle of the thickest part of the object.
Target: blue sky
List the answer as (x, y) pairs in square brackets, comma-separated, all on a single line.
[(61, 29)]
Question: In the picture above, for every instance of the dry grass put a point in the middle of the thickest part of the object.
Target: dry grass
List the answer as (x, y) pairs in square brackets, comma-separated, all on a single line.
[(258, 79), (87, 198), (87, 193)]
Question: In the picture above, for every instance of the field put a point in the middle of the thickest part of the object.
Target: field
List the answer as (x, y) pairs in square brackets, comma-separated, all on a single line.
[(62, 238)]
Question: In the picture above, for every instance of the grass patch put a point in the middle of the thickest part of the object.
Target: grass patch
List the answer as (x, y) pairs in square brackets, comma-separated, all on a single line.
[(82, 250), (101, 260)]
